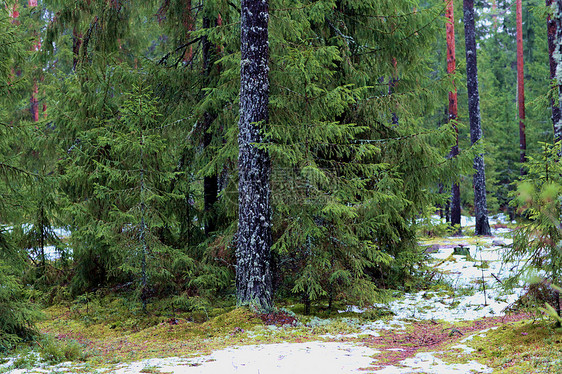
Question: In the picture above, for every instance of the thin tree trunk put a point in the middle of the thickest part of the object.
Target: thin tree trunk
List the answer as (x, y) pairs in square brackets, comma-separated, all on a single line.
[(558, 70), (210, 183), (391, 84), (479, 178), (189, 26), (76, 44), (520, 87), (34, 103), (551, 37), (142, 234), (495, 14), (253, 274), (453, 111)]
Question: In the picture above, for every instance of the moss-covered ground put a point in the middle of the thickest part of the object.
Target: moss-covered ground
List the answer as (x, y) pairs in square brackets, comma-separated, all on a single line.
[(518, 344), (101, 331)]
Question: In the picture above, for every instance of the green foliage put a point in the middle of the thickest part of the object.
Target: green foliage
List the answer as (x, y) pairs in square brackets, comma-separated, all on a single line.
[(538, 242), (55, 351), (16, 312)]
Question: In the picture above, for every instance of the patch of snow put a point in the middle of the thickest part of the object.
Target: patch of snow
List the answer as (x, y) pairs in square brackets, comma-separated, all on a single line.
[(468, 221), (283, 358), (481, 334), (465, 348), (51, 252), (426, 362)]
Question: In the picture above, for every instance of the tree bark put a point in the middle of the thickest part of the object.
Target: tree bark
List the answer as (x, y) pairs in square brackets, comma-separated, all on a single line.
[(557, 57), (453, 110), (520, 86), (34, 102), (210, 183), (253, 274), (479, 178), (551, 37), (76, 44), (189, 26)]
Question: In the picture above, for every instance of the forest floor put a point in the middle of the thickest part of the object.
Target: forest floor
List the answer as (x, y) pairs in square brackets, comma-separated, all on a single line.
[(462, 324)]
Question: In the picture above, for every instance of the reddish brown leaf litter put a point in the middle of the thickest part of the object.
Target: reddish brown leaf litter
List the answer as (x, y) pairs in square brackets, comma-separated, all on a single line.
[(278, 319), (396, 346)]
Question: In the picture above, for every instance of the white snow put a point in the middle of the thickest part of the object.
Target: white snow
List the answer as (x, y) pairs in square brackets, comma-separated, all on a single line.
[(427, 363), (282, 358)]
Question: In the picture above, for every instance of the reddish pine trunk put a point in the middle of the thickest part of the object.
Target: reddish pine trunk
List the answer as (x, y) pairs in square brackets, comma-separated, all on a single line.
[(188, 24), (14, 13), (495, 14), (34, 101), (551, 37), (453, 111), (520, 86)]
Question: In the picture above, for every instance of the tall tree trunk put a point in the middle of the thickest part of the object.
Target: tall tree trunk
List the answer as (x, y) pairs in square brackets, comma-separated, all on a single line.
[(34, 101), (495, 14), (520, 86), (551, 37), (479, 177), (556, 55), (210, 183), (76, 44), (391, 84), (453, 111), (189, 26), (253, 274)]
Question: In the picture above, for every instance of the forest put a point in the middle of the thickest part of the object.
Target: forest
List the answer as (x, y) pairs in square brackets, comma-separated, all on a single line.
[(180, 177)]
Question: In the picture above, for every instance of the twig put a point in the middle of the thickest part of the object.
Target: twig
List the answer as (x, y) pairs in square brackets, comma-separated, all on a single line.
[(498, 279)]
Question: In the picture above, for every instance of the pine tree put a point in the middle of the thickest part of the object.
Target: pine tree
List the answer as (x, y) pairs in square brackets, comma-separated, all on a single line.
[(520, 85), (455, 205), (551, 38)]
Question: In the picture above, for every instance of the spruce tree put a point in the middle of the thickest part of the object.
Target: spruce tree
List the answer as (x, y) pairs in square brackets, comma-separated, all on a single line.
[(16, 313)]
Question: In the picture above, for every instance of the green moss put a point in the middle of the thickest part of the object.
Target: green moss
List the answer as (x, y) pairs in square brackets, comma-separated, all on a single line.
[(520, 347)]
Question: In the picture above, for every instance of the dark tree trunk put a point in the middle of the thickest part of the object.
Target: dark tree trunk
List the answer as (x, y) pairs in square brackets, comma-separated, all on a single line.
[(479, 178), (76, 44), (391, 84), (210, 183), (34, 103), (520, 86), (551, 34), (253, 274), (455, 207)]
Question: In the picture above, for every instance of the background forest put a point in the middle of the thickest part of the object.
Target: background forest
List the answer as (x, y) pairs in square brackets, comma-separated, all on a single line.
[(119, 145)]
